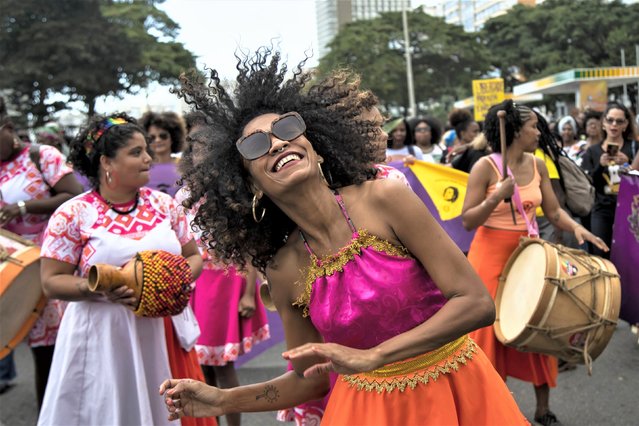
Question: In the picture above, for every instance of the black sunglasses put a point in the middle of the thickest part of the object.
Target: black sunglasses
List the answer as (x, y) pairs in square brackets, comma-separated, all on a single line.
[(286, 127), (162, 136), (617, 121)]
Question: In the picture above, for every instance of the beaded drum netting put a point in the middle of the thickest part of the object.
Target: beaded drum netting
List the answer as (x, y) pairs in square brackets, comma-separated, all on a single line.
[(166, 283)]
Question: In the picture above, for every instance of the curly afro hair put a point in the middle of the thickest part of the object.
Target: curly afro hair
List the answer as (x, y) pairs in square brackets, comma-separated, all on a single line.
[(219, 183), (93, 141), (516, 116), (169, 121)]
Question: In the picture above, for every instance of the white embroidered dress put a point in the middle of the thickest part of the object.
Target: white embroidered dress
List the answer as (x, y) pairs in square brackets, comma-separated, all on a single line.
[(108, 363)]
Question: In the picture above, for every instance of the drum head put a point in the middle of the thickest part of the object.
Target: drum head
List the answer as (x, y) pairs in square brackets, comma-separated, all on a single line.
[(522, 290)]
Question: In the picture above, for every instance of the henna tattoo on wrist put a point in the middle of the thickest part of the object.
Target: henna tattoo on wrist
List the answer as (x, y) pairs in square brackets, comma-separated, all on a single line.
[(270, 393)]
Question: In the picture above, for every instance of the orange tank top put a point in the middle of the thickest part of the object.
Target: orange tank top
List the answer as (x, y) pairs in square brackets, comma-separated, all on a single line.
[(501, 216)]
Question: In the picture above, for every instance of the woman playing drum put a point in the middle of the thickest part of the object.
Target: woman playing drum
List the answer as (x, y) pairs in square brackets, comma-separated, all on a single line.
[(108, 359), (29, 193), (497, 236)]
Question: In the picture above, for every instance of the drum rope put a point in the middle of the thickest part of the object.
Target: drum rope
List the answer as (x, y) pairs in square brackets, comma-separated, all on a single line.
[(6, 257), (585, 351), (16, 237), (588, 310)]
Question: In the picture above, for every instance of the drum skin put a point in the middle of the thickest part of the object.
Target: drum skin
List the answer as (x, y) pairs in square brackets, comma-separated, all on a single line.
[(21, 297), (557, 301)]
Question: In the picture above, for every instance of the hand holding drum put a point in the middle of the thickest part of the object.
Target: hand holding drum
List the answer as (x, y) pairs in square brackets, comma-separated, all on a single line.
[(161, 282)]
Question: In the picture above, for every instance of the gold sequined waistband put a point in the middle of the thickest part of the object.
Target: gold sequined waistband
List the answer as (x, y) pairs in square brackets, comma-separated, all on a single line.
[(416, 370)]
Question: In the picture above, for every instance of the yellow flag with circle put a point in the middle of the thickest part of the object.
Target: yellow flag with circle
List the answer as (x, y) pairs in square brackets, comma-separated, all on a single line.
[(445, 186)]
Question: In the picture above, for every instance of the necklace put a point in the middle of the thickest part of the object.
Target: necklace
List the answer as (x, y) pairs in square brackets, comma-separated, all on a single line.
[(123, 212)]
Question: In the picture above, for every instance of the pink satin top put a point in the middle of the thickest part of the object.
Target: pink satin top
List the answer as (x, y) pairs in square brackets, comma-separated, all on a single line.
[(368, 292)]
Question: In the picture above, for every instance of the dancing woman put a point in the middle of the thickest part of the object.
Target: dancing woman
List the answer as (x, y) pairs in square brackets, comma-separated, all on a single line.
[(497, 236), (358, 269)]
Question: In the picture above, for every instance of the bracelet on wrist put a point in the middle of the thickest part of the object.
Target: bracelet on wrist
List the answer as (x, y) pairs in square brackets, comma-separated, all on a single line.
[(22, 206)]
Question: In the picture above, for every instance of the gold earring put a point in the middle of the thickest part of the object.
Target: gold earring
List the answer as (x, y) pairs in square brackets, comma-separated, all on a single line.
[(109, 179), (254, 206)]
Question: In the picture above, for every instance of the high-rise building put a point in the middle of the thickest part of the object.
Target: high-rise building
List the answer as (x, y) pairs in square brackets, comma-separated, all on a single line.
[(472, 14), (332, 15)]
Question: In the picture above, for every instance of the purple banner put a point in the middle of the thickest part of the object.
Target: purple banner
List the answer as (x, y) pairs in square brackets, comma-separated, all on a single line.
[(624, 252)]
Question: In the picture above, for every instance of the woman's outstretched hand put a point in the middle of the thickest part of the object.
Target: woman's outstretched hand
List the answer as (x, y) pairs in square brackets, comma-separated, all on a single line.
[(582, 235), (187, 397), (341, 359)]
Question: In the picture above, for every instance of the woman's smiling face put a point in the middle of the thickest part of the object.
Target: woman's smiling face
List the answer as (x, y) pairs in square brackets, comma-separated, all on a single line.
[(286, 162)]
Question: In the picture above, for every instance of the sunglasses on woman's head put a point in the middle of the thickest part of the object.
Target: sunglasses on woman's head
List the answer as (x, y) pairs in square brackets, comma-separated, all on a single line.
[(286, 127)]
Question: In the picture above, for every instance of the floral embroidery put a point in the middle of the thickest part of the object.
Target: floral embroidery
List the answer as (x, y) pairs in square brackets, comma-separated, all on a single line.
[(333, 263)]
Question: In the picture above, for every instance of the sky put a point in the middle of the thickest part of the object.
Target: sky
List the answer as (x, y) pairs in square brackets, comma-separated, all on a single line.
[(214, 29)]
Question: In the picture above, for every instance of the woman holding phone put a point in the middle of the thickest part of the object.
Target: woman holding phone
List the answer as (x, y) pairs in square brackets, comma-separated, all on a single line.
[(602, 163)]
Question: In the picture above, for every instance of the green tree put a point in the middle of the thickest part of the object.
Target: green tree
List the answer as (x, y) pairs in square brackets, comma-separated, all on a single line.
[(445, 59), (84, 49), (533, 42)]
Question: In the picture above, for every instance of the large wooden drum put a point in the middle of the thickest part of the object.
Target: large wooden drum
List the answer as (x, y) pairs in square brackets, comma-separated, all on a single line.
[(21, 297), (557, 301)]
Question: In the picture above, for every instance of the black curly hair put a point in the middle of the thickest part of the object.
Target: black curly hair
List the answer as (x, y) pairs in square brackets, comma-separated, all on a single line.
[(194, 119), (86, 148), (516, 116), (169, 121), (4, 115), (221, 179), (433, 123), (459, 120)]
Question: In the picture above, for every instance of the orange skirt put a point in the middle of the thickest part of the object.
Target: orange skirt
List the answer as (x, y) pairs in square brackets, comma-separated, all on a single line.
[(488, 254), (453, 385), (184, 365)]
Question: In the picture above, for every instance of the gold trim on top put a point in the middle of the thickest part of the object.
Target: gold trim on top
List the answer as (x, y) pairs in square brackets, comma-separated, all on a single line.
[(328, 265), (422, 369)]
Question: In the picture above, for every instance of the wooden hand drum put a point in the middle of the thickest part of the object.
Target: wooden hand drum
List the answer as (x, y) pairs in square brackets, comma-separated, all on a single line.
[(161, 281)]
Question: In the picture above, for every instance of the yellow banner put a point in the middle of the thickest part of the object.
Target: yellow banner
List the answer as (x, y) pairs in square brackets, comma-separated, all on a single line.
[(445, 186), (487, 93), (593, 95)]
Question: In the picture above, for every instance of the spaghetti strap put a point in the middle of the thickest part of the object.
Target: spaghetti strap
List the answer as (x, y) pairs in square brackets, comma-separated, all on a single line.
[(535, 171), (340, 202)]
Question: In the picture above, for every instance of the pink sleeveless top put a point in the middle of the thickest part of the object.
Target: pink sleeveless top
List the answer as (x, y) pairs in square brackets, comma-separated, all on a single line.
[(501, 217), (368, 292)]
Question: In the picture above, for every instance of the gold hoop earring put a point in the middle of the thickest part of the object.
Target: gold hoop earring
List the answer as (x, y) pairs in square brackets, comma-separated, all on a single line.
[(254, 207)]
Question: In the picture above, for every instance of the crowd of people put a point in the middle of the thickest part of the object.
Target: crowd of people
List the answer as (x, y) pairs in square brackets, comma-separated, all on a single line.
[(283, 184)]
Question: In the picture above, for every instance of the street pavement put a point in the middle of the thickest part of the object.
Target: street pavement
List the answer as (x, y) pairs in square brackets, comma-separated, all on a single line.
[(608, 397)]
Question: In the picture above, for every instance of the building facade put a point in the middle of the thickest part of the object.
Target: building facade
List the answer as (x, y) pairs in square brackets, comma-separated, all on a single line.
[(332, 15)]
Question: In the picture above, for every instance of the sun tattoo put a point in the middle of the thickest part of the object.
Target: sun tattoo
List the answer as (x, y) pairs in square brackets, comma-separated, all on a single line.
[(270, 393)]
